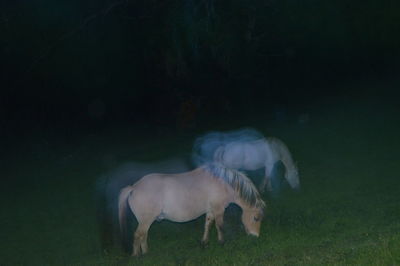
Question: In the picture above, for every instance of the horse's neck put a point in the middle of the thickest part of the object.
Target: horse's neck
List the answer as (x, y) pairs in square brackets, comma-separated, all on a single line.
[(271, 154), (288, 162), (241, 203)]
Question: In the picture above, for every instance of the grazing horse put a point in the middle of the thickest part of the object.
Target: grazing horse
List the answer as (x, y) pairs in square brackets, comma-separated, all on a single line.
[(109, 185), (256, 154), (247, 150), (184, 197), (205, 146)]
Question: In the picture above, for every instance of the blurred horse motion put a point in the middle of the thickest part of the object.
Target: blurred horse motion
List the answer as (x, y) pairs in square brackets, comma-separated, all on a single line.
[(184, 197), (109, 185), (246, 150)]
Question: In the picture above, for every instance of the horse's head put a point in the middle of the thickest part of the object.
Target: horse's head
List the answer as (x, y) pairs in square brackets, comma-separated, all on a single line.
[(251, 219)]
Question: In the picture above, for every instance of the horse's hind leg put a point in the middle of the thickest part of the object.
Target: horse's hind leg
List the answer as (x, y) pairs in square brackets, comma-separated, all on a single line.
[(209, 221), (140, 240), (143, 244)]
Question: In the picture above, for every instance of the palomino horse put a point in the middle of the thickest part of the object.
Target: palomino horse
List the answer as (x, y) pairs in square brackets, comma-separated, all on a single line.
[(247, 150), (184, 197), (109, 185)]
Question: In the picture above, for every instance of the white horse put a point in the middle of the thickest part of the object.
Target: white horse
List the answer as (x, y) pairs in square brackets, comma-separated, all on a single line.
[(248, 151), (262, 153), (205, 146)]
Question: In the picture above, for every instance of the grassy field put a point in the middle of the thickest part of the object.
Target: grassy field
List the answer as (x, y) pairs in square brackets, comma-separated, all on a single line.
[(347, 212)]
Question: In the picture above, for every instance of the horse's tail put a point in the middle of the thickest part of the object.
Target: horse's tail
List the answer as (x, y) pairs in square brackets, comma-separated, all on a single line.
[(123, 206)]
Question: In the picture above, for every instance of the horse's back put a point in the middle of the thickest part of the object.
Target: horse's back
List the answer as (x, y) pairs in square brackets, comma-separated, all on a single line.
[(255, 153), (242, 154), (195, 186), (205, 147), (178, 197)]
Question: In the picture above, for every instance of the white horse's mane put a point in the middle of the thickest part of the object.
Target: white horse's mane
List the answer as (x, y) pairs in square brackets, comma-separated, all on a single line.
[(238, 181), (282, 151), (283, 154)]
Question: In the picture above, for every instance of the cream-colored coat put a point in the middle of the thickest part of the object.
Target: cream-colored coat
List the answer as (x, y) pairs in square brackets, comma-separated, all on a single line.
[(186, 196)]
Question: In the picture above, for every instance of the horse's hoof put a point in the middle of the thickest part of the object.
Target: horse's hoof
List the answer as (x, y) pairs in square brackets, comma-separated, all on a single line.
[(203, 244), (221, 242)]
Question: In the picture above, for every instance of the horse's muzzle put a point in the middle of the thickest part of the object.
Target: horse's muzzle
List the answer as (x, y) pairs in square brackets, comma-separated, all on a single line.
[(253, 234)]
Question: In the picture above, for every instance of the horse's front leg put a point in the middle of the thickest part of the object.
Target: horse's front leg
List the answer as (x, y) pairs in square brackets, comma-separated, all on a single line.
[(266, 181), (143, 244), (219, 222), (209, 221)]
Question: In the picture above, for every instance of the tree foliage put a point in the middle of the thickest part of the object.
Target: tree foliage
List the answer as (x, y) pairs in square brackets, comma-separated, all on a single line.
[(186, 39)]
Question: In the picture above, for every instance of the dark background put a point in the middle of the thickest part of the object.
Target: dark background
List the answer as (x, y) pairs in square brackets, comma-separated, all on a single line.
[(88, 85), (178, 64)]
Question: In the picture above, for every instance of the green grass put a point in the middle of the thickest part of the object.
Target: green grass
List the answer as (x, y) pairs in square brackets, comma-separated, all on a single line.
[(346, 213)]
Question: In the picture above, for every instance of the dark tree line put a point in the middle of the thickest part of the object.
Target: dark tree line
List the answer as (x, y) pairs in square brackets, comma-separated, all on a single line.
[(85, 48)]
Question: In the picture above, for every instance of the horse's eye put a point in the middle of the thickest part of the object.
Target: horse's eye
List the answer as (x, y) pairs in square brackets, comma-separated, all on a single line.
[(256, 219)]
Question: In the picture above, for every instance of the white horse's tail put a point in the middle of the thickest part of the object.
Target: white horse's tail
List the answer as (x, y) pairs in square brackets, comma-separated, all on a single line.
[(123, 206)]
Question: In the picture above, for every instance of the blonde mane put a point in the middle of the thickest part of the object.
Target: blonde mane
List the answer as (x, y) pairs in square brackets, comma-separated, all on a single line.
[(240, 183)]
